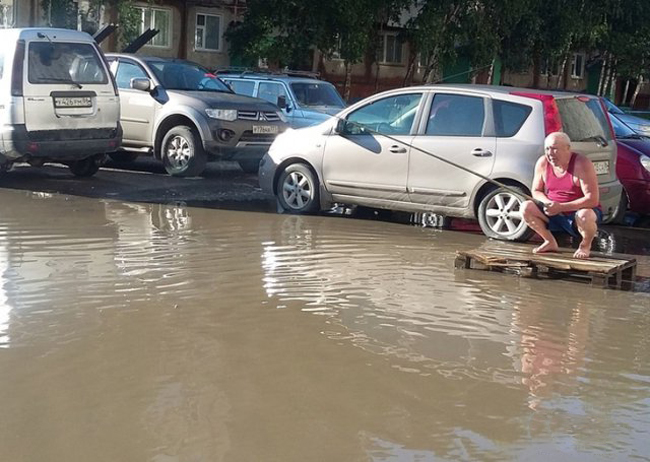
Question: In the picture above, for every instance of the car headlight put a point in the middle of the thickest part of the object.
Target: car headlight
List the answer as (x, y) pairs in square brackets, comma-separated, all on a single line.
[(645, 161), (283, 117), (222, 114)]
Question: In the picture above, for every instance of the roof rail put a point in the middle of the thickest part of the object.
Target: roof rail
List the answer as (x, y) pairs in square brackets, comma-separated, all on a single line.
[(242, 71)]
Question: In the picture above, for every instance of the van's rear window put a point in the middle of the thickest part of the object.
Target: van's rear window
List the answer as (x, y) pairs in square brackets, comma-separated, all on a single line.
[(583, 120), (61, 62)]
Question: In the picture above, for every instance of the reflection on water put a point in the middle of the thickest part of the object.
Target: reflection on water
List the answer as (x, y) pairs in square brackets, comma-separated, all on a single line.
[(169, 333)]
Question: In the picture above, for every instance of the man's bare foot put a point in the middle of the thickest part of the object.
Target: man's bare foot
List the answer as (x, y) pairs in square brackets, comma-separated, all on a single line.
[(547, 246), (582, 253)]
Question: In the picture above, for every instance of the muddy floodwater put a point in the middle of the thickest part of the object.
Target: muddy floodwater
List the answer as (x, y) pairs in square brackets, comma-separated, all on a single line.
[(162, 333)]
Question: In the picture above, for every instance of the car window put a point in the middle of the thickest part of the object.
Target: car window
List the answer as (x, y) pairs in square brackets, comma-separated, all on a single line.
[(187, 76), (392, 116), (270, 91), (60, 62), (127, 71), (317, 94), (242, 87), (583, 119), (456, 115), (509, 117)]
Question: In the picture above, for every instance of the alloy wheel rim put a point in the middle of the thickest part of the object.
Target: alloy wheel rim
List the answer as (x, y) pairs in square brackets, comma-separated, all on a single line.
[(503, 214), (179, 152), (297, 190)]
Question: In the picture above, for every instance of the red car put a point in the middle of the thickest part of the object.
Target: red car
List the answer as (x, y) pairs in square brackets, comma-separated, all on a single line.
[(633, 170)]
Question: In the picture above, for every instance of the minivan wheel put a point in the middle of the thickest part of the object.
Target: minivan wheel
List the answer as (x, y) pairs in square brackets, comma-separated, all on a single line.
[(182, 152), (621, 210), (85, 167), (123, 157), (297, 189), (500, 216), (249, 166)]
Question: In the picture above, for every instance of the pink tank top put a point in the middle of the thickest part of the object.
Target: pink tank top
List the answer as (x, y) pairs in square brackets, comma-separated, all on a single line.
[(564, 188)]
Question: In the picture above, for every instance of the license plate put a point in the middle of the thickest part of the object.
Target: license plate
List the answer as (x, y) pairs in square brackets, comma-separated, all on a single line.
[(602, 167), (73, 101), (265, 129)]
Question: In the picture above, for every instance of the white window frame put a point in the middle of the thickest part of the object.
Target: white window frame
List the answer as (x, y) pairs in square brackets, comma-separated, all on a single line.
[(144, 27), (581, 73), (382, 59), (196, 28), (11, 9)]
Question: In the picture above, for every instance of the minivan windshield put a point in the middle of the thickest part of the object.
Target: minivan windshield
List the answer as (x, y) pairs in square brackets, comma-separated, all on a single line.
[(62, 62), (186, 76), (317, 94), (583, 119)]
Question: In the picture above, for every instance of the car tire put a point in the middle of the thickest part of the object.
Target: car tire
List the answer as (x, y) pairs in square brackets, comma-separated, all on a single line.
[(297, 189), (500, 217), (123, 157), (621, 210), (182, 152), (85, 167), (249, 166)]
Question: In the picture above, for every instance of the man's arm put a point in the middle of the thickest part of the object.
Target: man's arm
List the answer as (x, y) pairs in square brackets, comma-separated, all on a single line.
[(538, 181), (586, 174)]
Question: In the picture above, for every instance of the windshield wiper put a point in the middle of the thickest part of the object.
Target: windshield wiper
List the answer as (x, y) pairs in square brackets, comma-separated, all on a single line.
[(597, 138), (70, 81), (630, 137)]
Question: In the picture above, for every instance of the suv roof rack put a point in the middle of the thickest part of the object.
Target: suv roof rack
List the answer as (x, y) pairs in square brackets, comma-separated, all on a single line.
[(242, 71)]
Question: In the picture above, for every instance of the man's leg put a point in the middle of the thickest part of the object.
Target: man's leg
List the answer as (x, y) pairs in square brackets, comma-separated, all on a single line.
[(538, 222), (587, 224)]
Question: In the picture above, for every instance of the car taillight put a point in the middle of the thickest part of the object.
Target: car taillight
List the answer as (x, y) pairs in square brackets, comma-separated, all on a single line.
[(17, 74), (609, 121), (552, 121)]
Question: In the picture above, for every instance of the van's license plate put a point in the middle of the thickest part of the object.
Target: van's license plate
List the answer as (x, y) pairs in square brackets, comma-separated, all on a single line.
[(72, 101), (265, 129), (602, 167)]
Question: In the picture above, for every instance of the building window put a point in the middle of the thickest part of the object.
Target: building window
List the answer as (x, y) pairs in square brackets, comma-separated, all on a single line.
[(6, 14), (578, 66), (208, 32), (159, 19), (390, 49)]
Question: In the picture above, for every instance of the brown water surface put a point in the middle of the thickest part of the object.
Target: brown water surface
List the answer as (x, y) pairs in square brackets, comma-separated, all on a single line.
[(133, 332)]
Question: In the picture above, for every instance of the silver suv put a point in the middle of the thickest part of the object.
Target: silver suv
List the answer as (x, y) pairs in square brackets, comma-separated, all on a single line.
[(497, 132), (184, 115), (305, 100)]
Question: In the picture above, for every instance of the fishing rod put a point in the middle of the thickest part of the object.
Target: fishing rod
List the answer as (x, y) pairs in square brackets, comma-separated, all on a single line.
[(500, 185)]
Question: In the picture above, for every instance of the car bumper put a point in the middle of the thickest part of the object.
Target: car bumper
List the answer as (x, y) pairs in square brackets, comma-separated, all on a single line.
[(62, 145), (638, 194), (266, 174), (610, 196)]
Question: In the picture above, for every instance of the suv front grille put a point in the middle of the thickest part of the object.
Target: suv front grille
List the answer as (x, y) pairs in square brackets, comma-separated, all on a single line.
[(249, 136), (268, 116)]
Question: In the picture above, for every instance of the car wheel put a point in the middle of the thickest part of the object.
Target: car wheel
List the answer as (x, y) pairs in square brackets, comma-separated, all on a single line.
[(297, 189), (500, 216), (621, 210), (249, 166), (85, 167), (182, 152), (123, 157)]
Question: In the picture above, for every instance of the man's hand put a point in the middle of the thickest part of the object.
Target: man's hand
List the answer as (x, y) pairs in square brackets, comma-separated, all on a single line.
[(552, 208)]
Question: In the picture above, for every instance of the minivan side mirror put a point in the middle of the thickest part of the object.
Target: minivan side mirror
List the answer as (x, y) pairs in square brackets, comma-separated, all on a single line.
[(140, 83), (282, 101), (341, 127)]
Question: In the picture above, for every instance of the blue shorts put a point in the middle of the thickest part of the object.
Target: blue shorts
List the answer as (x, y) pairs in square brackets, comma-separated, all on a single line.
[(566, 222)]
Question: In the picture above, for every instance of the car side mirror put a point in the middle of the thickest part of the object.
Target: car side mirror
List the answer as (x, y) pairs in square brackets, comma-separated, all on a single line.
[(141, 84), (282, 101)]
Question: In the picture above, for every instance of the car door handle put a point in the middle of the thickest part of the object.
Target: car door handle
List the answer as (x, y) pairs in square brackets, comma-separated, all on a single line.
[(480, 152), (397, 149)]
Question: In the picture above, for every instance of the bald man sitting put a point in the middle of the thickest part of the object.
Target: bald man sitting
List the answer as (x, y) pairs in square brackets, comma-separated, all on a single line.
[(566, 184)]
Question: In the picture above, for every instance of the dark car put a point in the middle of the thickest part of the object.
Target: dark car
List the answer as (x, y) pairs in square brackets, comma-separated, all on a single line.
[(637, 124), (633, 170)]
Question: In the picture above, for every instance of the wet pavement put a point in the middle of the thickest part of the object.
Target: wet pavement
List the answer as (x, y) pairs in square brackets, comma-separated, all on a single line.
[(136, 325)]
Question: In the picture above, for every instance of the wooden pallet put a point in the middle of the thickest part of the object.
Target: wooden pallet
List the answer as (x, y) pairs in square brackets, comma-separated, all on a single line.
[(600, 270)]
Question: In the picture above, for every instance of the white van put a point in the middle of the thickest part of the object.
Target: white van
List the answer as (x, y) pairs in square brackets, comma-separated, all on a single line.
[(58, 100)]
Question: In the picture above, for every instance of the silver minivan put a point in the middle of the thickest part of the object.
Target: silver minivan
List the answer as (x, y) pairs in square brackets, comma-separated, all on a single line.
[(497, 132), (58, 100)]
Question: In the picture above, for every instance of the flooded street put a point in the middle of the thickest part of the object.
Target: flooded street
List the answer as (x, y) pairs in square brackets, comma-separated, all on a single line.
[(162, 333)]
